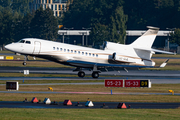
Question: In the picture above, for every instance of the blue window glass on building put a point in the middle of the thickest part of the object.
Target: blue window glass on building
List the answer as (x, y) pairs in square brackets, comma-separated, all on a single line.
[(52, 7), (64, 1), (55, 7), (56, 1)]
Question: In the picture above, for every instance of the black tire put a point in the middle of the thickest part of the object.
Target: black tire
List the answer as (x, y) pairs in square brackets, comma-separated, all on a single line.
[(95, 74), (81, 74)]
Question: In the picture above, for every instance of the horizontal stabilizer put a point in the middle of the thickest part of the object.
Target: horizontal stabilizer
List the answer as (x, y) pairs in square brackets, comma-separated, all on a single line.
[(155, 50), (166, 52)]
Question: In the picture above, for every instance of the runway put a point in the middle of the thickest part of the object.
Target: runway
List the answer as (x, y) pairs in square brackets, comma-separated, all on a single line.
[(139, 73), (156, 76), (99, 93), (97, 105)]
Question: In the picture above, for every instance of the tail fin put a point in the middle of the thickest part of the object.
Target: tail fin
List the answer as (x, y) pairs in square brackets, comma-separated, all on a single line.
[(147, 39)]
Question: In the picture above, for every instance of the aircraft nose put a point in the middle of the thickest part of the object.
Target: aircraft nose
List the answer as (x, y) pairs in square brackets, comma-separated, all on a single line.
[(7, 47)]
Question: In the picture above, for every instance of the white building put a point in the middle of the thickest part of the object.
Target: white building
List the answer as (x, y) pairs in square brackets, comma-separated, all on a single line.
[(58, 6)]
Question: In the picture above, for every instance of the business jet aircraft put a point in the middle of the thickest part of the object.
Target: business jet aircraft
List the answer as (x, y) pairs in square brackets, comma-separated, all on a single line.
[(114, 55)]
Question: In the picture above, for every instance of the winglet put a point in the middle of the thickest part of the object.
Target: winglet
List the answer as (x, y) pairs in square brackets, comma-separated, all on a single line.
[(164, 63)]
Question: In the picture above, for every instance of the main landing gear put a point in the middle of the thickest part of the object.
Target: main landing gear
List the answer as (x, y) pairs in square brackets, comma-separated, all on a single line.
[(81, 74), (94, 74)]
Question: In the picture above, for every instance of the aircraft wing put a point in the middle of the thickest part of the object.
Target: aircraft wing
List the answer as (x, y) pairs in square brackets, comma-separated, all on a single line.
[(106, 65)]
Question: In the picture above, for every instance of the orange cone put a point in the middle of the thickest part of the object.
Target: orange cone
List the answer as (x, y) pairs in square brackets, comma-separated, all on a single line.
[(67, 102), (34, 100), (121, 105)]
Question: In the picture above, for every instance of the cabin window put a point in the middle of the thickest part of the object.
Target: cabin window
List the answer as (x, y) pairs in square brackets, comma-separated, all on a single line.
[(68, 50), (96, 55), (82, 53), (28, 42), (75, 51), (54, 48), (71, 51), (86, 53), (64, 50), (93, 55), (21, 41), (79, 52), (61, 49), (89, 54), (57, 48)]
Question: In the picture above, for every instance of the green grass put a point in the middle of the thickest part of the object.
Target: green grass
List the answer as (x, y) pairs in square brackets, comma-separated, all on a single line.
[(6, 51), (35, 75), (89, 114), (166, 55), (34, 63), (156, 88), (51, 81)]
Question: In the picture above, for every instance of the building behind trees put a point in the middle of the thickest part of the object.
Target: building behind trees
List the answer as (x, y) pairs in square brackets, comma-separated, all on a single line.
[(58, 6)]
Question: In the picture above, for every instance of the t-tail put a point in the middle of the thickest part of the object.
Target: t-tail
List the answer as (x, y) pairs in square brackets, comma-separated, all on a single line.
[(147, 39), (143, 44)]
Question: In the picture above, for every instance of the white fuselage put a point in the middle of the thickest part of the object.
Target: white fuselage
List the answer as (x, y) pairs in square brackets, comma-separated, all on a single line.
[(61, 53)]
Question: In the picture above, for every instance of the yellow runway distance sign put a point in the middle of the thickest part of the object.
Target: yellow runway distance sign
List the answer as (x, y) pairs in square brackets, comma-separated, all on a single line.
[(9, 57)]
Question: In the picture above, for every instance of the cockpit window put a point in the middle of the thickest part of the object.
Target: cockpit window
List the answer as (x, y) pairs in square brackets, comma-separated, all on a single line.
[(28, 42), (21, 41)]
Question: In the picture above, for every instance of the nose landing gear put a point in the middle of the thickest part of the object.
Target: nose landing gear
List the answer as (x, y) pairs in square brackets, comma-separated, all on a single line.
[(25, 59)]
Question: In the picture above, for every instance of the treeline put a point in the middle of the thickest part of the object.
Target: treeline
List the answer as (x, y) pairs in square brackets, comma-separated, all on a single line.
[(11, 12), (107, 19), (16, 25), (160, 13)]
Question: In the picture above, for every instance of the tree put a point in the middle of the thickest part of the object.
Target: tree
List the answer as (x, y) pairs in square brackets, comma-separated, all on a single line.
[(99, 15), (22, 29), (118, 26), (175, 37), (50, 25), (5, 3), (44, 25), (6, 27), (99, 33), (37, 24)]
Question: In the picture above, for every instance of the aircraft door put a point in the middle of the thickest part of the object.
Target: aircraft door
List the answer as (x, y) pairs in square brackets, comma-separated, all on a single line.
[(37, 47), (114, 56)]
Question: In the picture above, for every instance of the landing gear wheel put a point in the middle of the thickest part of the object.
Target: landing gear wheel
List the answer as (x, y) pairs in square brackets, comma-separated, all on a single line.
[(95, 74), (24, 63), (81, 74)]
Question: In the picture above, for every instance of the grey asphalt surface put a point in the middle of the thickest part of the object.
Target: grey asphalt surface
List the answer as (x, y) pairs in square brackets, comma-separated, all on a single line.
[(156, 76), (109, 105), (100, 93)]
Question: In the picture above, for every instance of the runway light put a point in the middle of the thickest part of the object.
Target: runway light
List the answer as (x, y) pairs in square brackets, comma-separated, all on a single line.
[(25, 100), (171, 91), (129, 106), (50, 88)]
